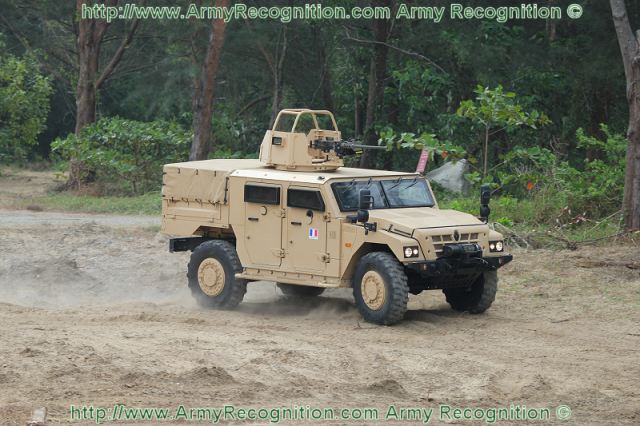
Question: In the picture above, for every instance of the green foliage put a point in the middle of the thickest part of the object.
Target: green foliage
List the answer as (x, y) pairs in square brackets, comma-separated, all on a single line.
[(428, 141), (598, 188), (124, 151), (24, 104), (495, 107), (421, 92), (519, 170), (565, 193)]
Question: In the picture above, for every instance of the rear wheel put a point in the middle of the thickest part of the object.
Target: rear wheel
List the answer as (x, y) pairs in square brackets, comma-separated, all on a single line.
[(292, 290), (211, 273), (478, 297), (380, 288)]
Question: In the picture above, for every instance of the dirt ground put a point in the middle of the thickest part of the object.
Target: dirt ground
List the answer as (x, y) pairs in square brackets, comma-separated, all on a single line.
[(94, 311)]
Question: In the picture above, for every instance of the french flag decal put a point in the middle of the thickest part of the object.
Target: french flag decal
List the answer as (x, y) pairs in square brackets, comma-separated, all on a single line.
[(313, 233)]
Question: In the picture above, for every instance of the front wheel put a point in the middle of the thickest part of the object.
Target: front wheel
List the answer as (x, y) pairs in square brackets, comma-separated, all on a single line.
[(380, 288), (212, 275), (478, 297)]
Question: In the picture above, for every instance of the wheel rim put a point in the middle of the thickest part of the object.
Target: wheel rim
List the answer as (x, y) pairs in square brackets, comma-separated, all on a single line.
[(373, 290), (211, 277)]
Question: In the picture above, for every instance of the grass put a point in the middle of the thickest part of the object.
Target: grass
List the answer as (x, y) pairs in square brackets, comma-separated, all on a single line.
[(542, 220), (147, 204)]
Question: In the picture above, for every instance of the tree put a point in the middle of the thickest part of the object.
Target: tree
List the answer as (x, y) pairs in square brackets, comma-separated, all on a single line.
[(630, 50), (377, 70), (204, 89), (275, 61), (24, 104), (494, 110), (91, 34)]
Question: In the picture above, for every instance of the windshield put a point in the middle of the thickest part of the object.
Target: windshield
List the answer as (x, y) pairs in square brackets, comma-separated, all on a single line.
[(397, 193)]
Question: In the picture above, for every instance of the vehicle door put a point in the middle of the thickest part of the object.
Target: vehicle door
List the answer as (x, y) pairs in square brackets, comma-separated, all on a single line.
[(263, 223), (306, 245)]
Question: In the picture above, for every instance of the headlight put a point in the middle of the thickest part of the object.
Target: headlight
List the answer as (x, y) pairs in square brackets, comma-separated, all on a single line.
[(496, 246), (412, 251)]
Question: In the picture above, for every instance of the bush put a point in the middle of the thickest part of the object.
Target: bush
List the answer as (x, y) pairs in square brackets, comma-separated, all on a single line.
[(536, 187), (24, 105), (127, 152), (598, 189)]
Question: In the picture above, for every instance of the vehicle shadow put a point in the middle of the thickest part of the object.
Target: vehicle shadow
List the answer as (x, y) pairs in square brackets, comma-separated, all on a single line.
[(330, 306), (301, 306), (433, 314)]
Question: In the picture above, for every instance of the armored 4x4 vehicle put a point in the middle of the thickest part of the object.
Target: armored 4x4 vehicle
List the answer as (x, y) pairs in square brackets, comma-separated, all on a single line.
[(297, 217)]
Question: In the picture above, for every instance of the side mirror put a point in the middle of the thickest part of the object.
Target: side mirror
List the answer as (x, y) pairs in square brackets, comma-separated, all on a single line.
[(485, 198), (362, 216), (365, 203), (485, 195), (365, 200)]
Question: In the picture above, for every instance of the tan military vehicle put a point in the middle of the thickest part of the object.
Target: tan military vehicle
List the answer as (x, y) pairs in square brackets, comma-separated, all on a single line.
[(297, 217)]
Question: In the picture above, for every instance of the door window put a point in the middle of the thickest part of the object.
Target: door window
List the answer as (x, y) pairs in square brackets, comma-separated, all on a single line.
[(262, 194), (305, 199)]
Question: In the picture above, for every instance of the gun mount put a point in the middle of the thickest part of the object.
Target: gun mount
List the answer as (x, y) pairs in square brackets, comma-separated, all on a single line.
[(306, 140)]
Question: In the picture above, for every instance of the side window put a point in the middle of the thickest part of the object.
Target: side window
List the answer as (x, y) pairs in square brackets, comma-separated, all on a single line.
[(305, 199), (305, 124), (285, 123), (262, 194)]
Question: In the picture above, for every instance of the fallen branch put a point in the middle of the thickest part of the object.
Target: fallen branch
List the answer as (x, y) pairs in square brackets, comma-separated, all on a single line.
[(606, 263), (511, 233), (573, 245)]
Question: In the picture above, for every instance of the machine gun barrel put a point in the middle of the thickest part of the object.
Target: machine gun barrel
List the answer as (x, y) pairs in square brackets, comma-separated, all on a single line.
[(348, 144), (342, 148)]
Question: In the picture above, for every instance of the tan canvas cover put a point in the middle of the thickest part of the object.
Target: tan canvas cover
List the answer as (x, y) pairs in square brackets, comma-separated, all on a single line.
[(200, 181)]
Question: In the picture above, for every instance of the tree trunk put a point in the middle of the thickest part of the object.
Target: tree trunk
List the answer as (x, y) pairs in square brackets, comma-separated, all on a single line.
[(356, 113), (377, 69), (90, 36), (88, 50), (630, 49), (485, 152), (276, 100), (88, 54), (327, 89), (204, 90), (277, 67)]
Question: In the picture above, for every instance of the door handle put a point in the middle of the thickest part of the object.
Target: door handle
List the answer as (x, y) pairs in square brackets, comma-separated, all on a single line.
[(253, 219), (297, 223)]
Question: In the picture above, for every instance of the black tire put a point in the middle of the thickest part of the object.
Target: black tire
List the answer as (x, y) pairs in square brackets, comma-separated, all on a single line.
[(292, 290), (233, 290), (395, 286), (477, 298)]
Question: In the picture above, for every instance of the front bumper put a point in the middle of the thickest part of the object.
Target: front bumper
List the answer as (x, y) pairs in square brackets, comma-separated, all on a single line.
[(447, 272), (456, 265)]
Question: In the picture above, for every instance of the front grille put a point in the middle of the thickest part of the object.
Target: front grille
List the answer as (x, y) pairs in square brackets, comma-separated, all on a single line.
[(439, 241)]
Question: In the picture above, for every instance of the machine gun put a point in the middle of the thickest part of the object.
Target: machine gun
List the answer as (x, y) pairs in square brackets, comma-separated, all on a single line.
[(342, 148), (303, 148)]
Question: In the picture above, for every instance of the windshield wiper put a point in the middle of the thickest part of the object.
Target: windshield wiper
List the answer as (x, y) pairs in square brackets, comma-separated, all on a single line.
[(398, 182), (412, 183)]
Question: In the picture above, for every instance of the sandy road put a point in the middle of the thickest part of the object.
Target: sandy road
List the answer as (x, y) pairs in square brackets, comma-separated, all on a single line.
[(12, 218), (95, 311)]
